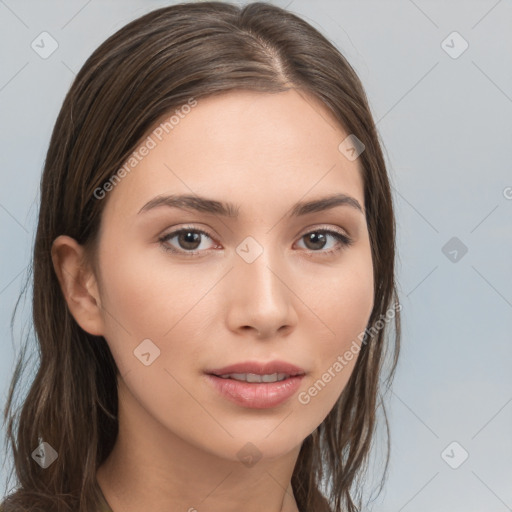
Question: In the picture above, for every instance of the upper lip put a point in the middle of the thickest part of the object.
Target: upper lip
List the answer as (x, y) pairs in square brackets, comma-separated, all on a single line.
[(257, 368)]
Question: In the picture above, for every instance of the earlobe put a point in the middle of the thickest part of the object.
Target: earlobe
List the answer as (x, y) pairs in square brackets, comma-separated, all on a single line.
[(78, 284)]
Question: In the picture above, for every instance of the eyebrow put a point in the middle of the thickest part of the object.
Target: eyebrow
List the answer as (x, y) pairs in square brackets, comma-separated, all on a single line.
[(226, 209)]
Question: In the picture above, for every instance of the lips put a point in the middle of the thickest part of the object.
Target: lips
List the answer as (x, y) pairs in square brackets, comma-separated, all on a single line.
[(257, 385)]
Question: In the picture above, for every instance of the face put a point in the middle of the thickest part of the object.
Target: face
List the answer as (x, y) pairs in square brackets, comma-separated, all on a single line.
[(188, 292)]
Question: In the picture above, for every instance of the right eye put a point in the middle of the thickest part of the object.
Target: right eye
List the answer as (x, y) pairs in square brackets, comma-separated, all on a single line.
[(188, 238)]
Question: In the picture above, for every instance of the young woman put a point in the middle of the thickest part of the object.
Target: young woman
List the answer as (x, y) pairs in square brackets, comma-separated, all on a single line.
[(213, 275)]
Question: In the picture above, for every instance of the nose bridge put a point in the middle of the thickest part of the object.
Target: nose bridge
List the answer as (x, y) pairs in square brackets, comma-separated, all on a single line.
[(260, 297), (259, 268)]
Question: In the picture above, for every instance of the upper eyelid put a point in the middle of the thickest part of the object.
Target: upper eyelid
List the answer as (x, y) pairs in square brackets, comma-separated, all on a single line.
[(308, 230)]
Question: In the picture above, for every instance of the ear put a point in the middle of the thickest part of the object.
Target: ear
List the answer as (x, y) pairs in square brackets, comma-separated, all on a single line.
[(78, 284)]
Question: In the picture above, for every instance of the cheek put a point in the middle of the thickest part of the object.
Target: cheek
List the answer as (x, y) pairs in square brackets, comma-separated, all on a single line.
[(342, 298), (343, 302), (149, 300)]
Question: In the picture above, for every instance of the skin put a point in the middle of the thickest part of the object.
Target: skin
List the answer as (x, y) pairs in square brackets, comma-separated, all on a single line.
[(178, 438)]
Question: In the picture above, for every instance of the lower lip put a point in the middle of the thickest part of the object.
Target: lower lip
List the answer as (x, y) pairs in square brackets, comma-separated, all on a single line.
[(260, 395)]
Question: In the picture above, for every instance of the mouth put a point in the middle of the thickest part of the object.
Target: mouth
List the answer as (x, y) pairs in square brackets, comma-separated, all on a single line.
[(254, 377), (257, 385), (253, 371)]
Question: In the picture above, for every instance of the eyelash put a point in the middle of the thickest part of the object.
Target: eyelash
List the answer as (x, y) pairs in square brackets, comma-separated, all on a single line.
[(343, 241)]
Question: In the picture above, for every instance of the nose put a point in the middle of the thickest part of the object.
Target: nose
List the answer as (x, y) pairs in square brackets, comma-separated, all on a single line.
[(260, 297)]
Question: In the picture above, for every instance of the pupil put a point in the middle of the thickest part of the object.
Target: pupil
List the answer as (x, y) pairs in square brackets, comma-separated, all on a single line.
[(314, 237), (190, 238)]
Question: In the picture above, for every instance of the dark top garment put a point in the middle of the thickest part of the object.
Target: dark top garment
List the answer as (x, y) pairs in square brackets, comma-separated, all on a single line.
[(105, 507)]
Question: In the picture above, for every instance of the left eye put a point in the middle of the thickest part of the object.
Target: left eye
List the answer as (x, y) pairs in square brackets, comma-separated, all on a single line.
[(189, 241), (319, 236)]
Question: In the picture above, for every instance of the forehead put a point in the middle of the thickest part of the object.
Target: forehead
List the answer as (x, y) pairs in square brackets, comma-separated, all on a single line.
[(255, 149)]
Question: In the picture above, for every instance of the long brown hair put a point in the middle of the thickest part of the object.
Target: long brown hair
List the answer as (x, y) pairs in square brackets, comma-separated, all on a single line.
[(145, 70)]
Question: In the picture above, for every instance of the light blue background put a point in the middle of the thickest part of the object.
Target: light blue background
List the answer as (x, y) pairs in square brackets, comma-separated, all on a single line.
[(447, 131)]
